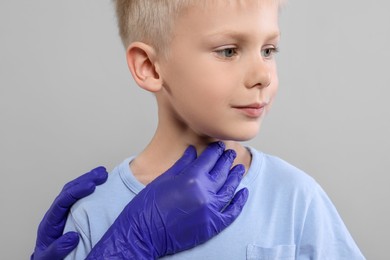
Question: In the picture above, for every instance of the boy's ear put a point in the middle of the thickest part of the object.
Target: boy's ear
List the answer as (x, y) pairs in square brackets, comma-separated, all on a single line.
[(141, 59)]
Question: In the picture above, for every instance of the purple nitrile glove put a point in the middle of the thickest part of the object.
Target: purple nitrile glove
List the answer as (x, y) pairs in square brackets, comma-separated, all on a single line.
[(187, 205), (51, 244)]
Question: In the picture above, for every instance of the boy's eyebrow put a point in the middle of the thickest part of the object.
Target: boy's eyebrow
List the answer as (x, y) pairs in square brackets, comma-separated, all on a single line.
[(243, 36)]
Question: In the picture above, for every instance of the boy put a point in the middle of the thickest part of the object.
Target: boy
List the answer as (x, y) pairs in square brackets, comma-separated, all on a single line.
[(211, 67)]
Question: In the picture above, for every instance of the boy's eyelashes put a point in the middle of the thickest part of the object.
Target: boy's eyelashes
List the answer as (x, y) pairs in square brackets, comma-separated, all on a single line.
[(229, 52), (269, 52)]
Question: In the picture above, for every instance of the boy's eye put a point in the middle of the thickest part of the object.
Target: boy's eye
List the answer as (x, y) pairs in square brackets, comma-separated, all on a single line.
[(227, 52), (269, 52)]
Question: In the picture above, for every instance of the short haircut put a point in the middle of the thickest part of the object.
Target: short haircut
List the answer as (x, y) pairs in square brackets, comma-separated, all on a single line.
[(152, 21)]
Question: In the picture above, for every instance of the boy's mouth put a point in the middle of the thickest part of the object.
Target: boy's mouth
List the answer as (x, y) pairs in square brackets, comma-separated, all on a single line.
[(254, 110)]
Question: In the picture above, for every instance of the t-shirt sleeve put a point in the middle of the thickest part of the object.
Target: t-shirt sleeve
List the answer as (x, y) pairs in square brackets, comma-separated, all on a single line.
[(324, 235), (84, 246)]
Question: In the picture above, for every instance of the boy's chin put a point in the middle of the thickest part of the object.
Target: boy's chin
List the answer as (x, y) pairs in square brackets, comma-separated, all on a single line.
[(244, 138), (238, 134), (247, 134), (241, 136)]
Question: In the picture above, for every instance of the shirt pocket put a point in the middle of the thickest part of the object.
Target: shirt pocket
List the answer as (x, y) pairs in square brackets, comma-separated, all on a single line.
[(282, 252)]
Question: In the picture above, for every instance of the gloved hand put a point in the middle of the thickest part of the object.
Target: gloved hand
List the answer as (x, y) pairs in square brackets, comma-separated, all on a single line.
[(51, 244), (182, 208)]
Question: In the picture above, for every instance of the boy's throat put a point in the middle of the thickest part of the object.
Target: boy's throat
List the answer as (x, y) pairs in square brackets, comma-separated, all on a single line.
[(160, 155)]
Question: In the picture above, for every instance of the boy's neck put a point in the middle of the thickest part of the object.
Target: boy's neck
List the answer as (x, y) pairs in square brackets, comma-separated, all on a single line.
[(168, 145)]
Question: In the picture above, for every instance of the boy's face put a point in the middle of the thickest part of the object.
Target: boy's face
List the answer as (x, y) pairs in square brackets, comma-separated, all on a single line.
[(220, 78)]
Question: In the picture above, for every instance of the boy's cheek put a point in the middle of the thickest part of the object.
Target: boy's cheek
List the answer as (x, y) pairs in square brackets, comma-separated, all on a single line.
[(269, 106), (272, 94)]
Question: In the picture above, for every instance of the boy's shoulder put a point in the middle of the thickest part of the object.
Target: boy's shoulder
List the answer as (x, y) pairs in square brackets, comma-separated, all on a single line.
[(110, 195), (278, 168), (278, 174), (91, 216)]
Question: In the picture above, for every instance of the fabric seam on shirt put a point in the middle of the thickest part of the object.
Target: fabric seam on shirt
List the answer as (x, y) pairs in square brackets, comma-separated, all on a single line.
[(312, 193), (79, 227), (260, 163)]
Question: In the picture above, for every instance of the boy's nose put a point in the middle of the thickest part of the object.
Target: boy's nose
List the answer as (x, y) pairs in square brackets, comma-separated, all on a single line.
[(259, 74)]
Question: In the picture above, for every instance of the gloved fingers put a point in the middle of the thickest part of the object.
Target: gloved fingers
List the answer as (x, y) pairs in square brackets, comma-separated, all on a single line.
[(52, 225), (226, 192), (81, 187), (98, 176), (69, 196), (234, 208), (60, 248), (206, 161), (221, 169), (54, 219), (186, 159)]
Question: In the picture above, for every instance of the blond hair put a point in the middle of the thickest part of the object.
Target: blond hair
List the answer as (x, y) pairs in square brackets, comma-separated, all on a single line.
[(151, 21)]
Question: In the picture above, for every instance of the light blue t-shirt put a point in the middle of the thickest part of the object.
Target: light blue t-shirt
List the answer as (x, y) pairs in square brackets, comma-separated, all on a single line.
[(287, 216)]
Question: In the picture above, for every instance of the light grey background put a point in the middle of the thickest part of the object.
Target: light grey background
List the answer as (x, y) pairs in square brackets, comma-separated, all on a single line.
[(68, 104)]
